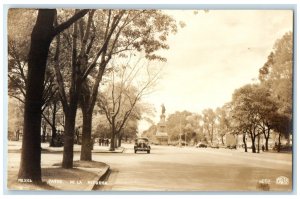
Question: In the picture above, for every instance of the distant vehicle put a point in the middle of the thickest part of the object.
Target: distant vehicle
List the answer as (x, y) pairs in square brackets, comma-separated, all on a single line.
[(201, 145), (231, 147), (142, 144)]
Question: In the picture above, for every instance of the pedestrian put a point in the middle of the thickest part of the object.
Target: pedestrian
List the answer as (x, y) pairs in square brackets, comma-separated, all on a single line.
[(263, 148)]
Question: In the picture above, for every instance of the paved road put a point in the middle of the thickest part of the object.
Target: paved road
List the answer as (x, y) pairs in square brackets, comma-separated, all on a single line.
[(185, 169), (193, 169)]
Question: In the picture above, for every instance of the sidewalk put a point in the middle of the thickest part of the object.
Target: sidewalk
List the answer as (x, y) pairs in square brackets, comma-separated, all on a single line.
[(15, 146), (83, 177)]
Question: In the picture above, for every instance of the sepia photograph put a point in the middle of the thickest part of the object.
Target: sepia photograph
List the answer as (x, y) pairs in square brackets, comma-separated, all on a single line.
[(169, 100)]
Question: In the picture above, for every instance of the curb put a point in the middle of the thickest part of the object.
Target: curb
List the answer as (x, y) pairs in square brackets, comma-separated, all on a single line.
[(60, 151), (100, 177), (103, 177)]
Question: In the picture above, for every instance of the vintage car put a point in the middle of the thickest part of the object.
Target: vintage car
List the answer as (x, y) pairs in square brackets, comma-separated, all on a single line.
[(201, 145), (142, 144)]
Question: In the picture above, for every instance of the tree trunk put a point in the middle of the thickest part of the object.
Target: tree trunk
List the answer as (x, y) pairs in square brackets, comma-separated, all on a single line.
[(117, 139), (245, 143), (120, 140), (267, 140), (53, 129), (86, 147), (253, 143), (267, 144), (267, 136), (69, 138), (41, 37), (222, 139), (44, 134), (253, 146), (112, 141), (18, 135), (258, 144), (279, 143)]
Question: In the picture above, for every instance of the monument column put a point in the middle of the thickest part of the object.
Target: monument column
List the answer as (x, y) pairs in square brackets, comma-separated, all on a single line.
[(161, 134)]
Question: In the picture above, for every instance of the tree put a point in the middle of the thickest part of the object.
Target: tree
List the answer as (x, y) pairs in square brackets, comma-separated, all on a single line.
[(192, 128), (72, 80), (223, 121), (41, 37), (245, 113), (259, 108), (103, 128), (183, 125), (267, 112), (150, 133), (51, 117), (142, 31), (254, 111), (209, 123), (17, 72), (18, 64), (15, 113), (277, 75), (121, 98), (129, 130)]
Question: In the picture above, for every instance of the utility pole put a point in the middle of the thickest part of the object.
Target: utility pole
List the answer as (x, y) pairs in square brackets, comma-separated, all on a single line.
[(180, 129)]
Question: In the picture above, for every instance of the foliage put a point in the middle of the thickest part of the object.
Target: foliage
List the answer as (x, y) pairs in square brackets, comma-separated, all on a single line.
[(181, 124), (277, 74)]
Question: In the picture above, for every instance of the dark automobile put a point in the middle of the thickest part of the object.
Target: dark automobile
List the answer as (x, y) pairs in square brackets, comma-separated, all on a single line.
[(231, 147), (201, 145), (142, 144)]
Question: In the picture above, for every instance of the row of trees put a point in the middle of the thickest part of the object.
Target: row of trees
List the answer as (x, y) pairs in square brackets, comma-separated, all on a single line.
[(267, 106), (255, 110), (69, 53)]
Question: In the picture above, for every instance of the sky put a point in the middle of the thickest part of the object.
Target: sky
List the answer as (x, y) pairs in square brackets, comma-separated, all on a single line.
[(214, 54)]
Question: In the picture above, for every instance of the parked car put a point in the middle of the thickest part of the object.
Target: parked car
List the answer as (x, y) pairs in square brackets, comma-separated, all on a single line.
[(201, 145), (231, 147), (142, 144)]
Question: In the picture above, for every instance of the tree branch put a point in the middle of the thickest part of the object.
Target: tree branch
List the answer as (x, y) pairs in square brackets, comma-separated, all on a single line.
[(69, 22)]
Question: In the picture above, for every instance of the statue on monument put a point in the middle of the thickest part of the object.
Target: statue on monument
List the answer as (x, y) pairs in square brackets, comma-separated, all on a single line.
[(163, 109), (161, 133)]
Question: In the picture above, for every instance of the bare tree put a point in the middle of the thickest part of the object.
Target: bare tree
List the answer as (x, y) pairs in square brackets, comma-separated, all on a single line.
[(120, 99)]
